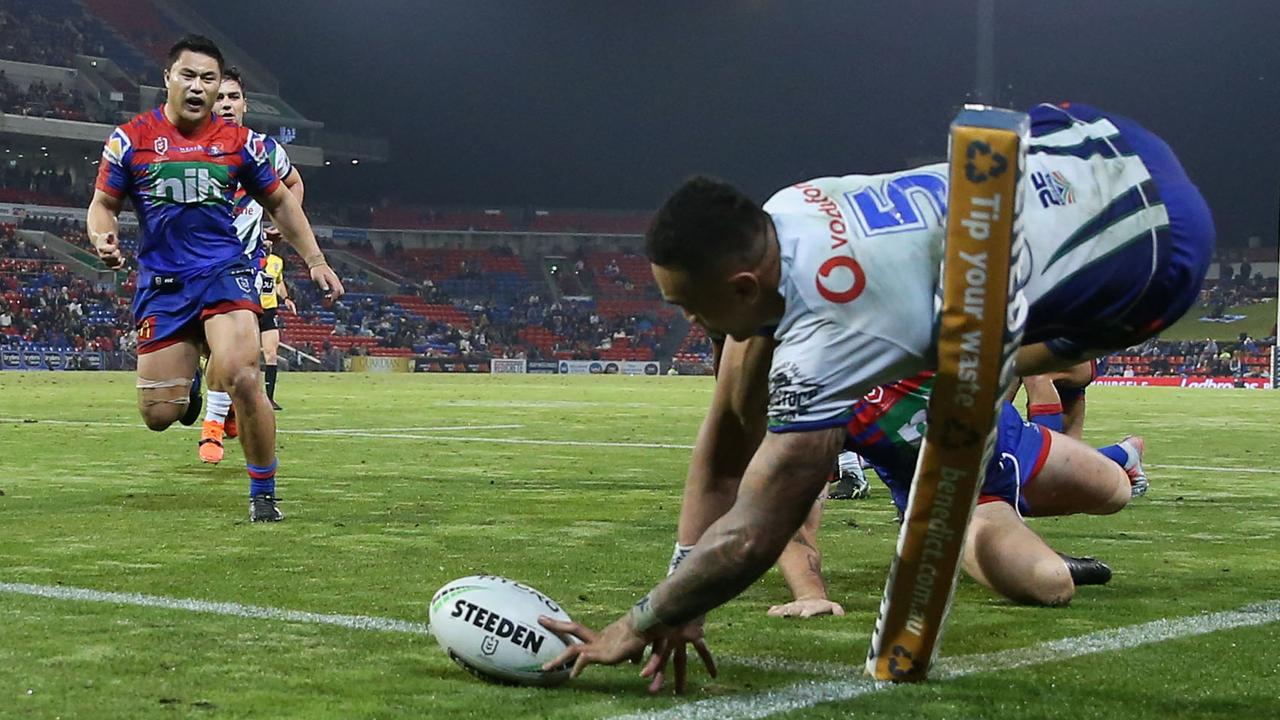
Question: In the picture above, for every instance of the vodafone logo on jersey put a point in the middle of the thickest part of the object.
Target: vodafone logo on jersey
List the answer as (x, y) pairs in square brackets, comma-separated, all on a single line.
[(840, 279)]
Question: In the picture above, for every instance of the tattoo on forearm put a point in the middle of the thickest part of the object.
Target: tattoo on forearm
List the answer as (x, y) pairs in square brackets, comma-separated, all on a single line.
[(800, 539)]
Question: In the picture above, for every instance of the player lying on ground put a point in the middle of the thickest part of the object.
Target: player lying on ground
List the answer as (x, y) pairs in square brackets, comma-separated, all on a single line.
[(181, 167), (231, 105), (1034, 472), (843, 271)]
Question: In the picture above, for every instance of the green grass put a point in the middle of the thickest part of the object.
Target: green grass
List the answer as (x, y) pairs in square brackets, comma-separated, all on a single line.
[(376, 524), (1258, 320)]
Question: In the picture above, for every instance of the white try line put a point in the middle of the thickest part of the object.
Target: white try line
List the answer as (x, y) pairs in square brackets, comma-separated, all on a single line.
[(848, 682), (351, 622), (803, 695)]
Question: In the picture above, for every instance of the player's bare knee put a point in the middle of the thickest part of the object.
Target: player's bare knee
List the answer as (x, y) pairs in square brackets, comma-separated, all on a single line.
[(244, 384), (1052, 585)]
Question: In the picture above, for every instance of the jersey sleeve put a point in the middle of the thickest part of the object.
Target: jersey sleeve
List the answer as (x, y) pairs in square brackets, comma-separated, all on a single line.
[(113, 170), (821, 370), (279, 158), (256, 172)]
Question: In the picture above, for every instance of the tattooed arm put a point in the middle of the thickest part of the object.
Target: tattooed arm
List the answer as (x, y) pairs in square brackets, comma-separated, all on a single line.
[(780, 485)]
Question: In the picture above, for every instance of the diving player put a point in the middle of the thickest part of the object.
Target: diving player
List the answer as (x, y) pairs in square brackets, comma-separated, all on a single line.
[(1035, 472), (844, 272), (180, 168), (231, 105)]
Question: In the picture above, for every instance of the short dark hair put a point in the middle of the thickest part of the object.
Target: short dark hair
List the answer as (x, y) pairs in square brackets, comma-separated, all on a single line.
[(196, 44), (704, 225), (233, 73)]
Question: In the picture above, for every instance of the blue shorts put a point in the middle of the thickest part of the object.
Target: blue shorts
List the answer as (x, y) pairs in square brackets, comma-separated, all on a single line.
[(168, 309), (1021, 449), (1129, 296)]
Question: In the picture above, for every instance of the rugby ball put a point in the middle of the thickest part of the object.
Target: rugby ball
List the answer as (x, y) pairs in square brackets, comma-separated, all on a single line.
[(489, 626)]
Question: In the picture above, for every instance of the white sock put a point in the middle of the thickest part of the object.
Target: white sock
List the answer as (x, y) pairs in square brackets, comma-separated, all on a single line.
[(217, 404), (1132, 458)]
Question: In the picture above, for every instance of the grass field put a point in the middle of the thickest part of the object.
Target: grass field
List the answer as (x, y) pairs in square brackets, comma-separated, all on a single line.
[(1258, 320), (394, 485)]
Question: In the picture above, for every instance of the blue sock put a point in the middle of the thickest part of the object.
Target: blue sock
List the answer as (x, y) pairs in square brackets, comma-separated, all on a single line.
[(1047, 415), (262, 479), (1121, 454)]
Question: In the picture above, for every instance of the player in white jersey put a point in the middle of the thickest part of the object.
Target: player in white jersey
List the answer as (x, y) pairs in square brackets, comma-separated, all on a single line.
[(843, 272), (231, 104)]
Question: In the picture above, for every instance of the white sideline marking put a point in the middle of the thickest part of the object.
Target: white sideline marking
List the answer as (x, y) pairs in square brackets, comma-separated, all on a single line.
[(374, 433), (848, 683), (409, 433), (354, 622), (1264, 471), (443, 428), (803, 695), (351, 622), (335, 431)]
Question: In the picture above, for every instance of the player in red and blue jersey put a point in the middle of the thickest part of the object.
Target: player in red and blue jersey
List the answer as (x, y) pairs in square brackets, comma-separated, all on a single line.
[(180, 167), (1034, 471)]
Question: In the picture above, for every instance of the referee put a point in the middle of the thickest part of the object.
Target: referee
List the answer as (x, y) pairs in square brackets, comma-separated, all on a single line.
[(274, 291)]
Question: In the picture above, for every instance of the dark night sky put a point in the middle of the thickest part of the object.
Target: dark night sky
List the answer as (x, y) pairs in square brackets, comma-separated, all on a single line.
[(609, 104)]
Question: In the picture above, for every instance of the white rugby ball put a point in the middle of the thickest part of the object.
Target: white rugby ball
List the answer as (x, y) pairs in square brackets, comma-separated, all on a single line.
[(489, 626)]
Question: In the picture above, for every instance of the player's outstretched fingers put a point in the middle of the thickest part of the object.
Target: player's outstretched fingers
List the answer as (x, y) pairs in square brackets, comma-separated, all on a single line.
[(680, 662), (656, 667), (563, 629), (827, 608), (704, 652)]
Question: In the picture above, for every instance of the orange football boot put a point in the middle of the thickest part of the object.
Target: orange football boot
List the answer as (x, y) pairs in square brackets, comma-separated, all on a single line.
[(211, 442), (230, 425)]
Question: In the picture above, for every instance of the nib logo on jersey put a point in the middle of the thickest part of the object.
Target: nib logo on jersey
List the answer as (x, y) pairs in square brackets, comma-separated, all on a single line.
[(789, 393), (189, 183)]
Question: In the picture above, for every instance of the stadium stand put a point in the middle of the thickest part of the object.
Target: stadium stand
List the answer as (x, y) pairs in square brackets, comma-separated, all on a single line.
[(483, 303)]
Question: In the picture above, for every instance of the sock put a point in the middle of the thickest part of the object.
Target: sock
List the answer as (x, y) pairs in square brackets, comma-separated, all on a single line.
[(262, 479), (271, 381), (217, 404), (1122, 453), (1046, 415)]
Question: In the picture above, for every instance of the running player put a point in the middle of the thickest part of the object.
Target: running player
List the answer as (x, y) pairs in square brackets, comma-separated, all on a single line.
[(180, 168), (844, 273), (231, 105)]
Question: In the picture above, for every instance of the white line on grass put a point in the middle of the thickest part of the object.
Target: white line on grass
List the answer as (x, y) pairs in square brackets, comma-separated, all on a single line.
[(803, 695), (848, 684), (413, 433), (353, 622), (374, 433), (335, 431)]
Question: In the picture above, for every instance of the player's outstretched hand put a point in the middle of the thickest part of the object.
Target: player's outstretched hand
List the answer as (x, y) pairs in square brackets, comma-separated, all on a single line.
[(806, 608), (674, 646), (616, 643), (107, 245), (328, 281)]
